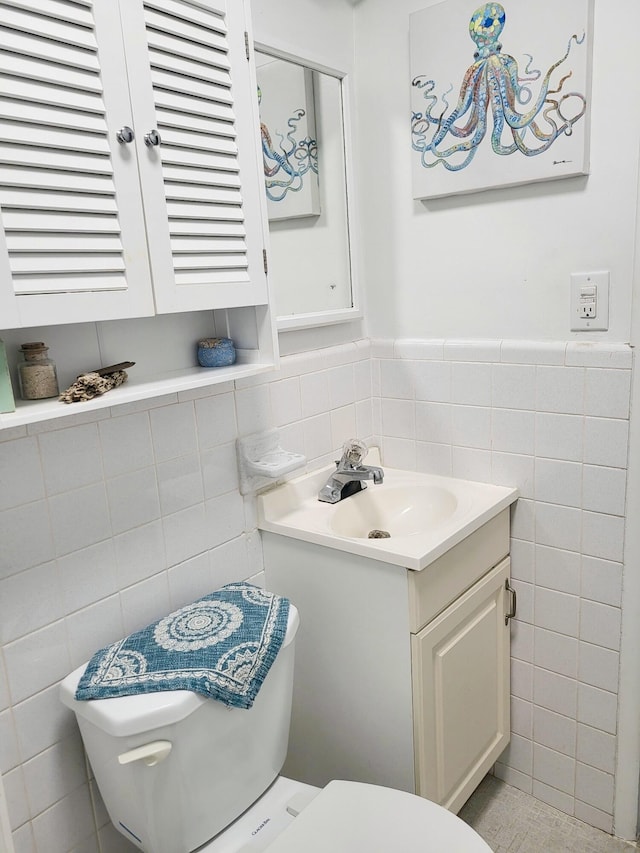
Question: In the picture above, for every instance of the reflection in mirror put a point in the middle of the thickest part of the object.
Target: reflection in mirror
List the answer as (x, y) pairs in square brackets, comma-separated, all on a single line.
[(303, 148)]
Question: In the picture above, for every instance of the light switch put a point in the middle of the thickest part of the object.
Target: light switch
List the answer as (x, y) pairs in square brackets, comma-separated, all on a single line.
[(590, 301)]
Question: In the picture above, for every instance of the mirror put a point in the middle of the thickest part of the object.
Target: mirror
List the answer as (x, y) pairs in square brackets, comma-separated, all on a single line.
[(304, 155)]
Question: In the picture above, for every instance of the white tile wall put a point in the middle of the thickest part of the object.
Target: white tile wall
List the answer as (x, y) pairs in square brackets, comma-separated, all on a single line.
[(109, 521), (553, 419)]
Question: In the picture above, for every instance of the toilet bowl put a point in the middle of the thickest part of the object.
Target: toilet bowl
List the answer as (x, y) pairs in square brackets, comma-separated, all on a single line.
[(180, 772)]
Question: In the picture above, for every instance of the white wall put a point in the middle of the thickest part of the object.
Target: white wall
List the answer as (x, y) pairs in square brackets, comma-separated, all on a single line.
[(494, 264)]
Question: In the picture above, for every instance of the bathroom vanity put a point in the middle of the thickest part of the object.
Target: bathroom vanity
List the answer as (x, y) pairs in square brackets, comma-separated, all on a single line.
[(402, 668)]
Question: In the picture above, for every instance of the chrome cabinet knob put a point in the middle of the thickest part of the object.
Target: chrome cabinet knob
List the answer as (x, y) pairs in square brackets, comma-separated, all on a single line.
[(152, 138), (125, 135)]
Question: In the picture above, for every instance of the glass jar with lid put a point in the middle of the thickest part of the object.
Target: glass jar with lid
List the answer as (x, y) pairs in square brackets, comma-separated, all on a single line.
[(37, 372)]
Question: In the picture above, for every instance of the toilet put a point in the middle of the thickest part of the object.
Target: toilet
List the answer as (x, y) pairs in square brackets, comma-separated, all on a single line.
[(181, 772)]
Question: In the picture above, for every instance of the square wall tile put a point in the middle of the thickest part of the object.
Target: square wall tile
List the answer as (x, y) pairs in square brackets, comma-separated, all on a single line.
[(553, 797), (560, 389), (518, 755), (433, 458), (513, 386), (554, 731), (604, 489), (559, 436), (471, 427), (286, 401), (554, 769), (558, 526), (558, 482), (468, 463), (606, 442), (433, 422), (600, 624), (555, 692), (216, 420), (513, 431), (601, 581), (608, 393), (23, 606), (21, 473), (596, 748), (139, 553), (133, 499), (432, 381), (42, 720), (513, 469), (594, 787), (71, 458), (314, 392), (173, 429), (93, 627), (557, 569), (126, 443), (342, 388), (180, 483), (396, 380), (471, 384), (79, 518), (26, 538), (556, 652), (557, 611), (37, 661), (225, 518), (597, 708), (603, 536), (87, 575), (145, 602), (398, 418)]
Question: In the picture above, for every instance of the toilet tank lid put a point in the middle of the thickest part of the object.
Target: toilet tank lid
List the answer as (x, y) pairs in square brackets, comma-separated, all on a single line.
[(130, 715)]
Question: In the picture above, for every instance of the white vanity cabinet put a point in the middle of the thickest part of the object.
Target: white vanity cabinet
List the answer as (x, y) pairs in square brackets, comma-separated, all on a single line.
[(129, 175), (402, 676)]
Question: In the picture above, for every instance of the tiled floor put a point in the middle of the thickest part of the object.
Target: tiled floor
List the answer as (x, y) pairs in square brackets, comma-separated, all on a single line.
[(513, 822)]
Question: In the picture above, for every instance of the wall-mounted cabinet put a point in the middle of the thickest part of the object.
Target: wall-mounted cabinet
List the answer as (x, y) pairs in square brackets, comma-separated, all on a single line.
[(130, 178)]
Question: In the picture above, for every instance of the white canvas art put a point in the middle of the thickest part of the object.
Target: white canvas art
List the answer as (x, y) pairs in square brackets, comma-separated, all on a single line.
[(289, 143), (500, 94)]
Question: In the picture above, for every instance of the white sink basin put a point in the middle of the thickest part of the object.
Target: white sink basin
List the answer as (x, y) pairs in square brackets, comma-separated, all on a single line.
[(423, 514), (396, 511)]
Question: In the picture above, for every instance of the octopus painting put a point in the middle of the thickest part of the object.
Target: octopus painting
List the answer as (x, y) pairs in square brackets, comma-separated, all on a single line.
[(286, 165), (521, 110)]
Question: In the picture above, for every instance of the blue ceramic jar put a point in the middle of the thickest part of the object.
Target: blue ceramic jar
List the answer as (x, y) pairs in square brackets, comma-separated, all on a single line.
[(216, 352)]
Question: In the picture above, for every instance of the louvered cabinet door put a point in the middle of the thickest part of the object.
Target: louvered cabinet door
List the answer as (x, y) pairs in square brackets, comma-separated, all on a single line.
[(191, 82), (73, 245)]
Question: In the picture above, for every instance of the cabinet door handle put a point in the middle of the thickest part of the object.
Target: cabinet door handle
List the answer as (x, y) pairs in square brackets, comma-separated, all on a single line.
[(514, 602), (125, 135), (152, 138)]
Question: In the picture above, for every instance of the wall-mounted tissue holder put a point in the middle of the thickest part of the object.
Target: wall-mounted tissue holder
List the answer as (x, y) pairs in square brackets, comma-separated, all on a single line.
[(261, 460)]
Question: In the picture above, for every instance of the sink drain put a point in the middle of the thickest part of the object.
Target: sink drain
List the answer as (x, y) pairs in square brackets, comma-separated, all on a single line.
[(378, 534)]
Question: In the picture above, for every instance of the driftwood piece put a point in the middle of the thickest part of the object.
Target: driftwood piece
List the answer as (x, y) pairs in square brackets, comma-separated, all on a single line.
[(91, 385)]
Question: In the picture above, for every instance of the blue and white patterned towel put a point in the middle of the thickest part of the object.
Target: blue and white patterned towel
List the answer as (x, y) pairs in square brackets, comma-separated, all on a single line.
[(222, 646)]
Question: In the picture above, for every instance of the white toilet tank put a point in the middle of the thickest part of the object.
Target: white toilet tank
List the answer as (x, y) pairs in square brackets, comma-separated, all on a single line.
[(200, 763)]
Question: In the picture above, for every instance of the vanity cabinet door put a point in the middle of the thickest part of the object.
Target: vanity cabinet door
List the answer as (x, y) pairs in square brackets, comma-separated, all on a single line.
[(194, 100), (460, 669), (73, 243)]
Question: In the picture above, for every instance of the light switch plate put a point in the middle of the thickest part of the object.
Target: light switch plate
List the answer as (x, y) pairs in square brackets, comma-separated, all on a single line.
[(590, 301)]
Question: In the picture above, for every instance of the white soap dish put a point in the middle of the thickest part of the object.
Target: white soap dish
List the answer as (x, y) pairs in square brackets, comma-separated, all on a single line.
[(261, 460)]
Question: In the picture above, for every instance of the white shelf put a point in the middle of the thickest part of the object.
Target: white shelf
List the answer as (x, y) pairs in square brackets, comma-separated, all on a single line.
[(33, 411)]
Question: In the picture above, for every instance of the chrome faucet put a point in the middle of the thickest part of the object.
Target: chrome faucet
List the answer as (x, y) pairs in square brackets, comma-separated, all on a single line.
[(350, 474)]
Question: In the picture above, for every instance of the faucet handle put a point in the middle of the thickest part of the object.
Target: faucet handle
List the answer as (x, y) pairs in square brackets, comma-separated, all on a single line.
[(353, 451)]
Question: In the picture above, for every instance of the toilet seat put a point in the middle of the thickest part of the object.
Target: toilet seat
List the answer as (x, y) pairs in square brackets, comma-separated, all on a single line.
[(351, 817)]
